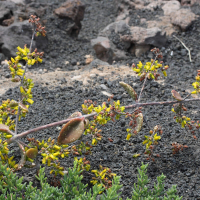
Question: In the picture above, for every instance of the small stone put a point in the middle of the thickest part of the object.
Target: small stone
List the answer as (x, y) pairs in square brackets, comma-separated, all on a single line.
[(7, 75), (104, 87)]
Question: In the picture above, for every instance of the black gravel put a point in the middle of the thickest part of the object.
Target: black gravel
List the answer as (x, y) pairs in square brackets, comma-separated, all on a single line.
[(57, 104)]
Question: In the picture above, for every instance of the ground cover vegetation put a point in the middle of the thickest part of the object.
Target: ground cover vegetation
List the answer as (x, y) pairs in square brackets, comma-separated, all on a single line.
[(78, 125)]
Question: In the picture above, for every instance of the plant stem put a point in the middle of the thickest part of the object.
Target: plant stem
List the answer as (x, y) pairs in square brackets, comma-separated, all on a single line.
[(159, 103), (16, 137), (146, 79), (22, 80)]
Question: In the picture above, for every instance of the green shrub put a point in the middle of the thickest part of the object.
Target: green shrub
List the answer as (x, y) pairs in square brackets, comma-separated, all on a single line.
[(72, 188)]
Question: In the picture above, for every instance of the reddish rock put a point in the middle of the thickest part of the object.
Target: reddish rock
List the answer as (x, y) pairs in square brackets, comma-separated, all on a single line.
[(182, 18), (72, 10)]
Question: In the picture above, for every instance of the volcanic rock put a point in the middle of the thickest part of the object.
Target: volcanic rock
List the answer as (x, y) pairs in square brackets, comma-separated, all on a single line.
[(74, 10), (182, 18), (6, 11), (117, 27), (17, 34), (106, 50), (143, 36), (170, 7)]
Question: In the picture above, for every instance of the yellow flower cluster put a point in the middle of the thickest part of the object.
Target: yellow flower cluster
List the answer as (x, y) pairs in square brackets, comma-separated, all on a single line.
[(196, 85), (83, 164), (26, 91), (129, 134), (57, 169), (4, 155), (30, 58), (105, 114), (150, 67), (5, 111), (50, 151), (103, 176), (152, 139), (183, 120)]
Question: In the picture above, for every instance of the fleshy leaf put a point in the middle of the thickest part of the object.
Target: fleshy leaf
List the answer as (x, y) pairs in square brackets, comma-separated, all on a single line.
[(13, 103), (129, 89), (73, 130), (176, 95), (32, 153), (23, 107), (139, 121)]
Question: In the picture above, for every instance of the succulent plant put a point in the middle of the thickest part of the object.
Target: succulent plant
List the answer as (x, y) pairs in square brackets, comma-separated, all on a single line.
[(73, 130), (32, 153), (130, 90), (176, 95)]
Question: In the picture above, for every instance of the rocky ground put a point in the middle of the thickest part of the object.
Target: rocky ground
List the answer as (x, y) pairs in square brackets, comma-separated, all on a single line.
[(66, 78)]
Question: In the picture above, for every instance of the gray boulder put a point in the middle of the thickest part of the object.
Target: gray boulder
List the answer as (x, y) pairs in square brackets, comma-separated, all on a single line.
[(17, 34)]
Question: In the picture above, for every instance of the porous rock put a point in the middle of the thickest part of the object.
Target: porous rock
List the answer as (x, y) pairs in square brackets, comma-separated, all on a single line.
[(102, 47), (73, 10), (17, 34), (182, 18), (170, 7), (6, 11), (142, 36), (106, 50), (118, 27)]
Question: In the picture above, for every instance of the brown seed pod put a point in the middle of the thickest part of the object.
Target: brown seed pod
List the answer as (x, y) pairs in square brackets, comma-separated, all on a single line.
[(176, 95), (129, 89), (73, 130), (139, 121)]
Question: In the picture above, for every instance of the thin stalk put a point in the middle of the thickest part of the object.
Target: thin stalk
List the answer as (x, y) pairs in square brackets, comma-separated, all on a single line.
[(143, 89), (16, 137), (22, 80), (145, 80), (159, 103)]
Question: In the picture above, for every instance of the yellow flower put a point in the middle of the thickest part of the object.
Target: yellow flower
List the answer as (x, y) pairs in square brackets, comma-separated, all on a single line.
[(19, 73), (29, 62), (145, 141), (195, 85), (30, 101), (194, 92), (164, 73), (22, 90), (128, 136), (33, 61), (13, 60), (8, 136), (61, 173), (140, 64), (39, 59), (155, 137), (136, 70), (94, 141)]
